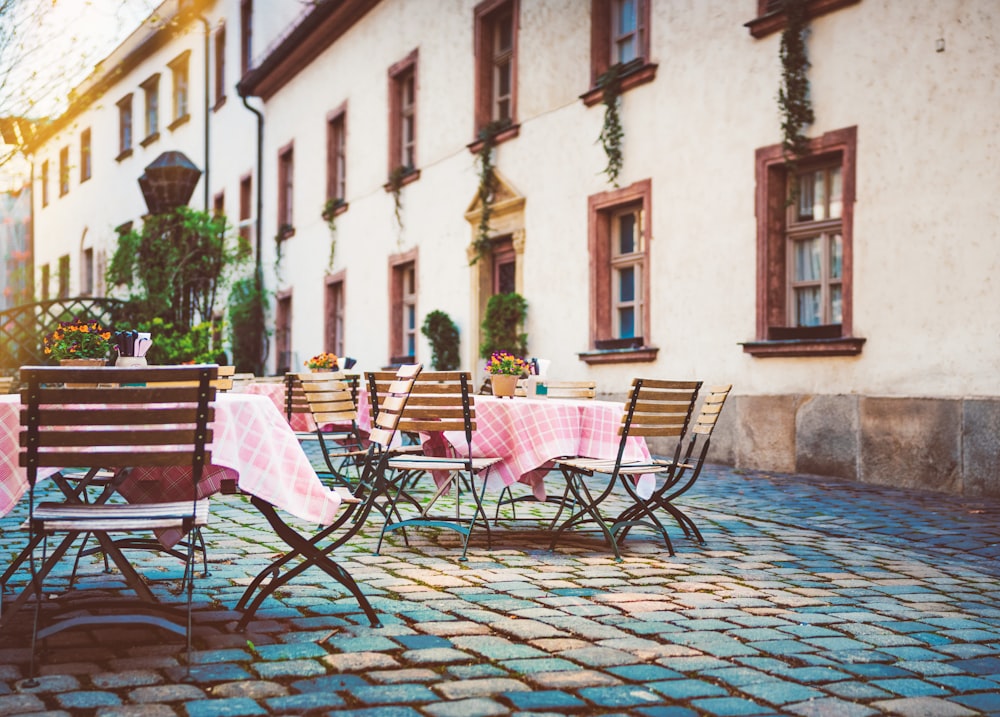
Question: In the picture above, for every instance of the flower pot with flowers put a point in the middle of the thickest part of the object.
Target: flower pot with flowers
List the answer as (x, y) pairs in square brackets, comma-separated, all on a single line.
[(504, 370), (323, 362), (78, 342)]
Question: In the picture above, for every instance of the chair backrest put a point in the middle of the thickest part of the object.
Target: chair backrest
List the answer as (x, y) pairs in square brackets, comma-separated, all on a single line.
[(378, 383), (711, 408), (242, 380), (391, 403), (154, 416), (330, 399), (687, 472), (223, 383), (6, 383), (571, 389), (441, 401), (658, 409)]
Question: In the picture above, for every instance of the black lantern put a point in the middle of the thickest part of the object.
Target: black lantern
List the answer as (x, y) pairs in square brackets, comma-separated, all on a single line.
[(168, 182)]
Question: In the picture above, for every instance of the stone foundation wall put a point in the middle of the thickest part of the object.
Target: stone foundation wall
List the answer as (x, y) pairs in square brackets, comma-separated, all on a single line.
[(946, 445)]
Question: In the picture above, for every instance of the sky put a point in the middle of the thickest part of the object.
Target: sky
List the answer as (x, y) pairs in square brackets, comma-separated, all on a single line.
[(57, 48)]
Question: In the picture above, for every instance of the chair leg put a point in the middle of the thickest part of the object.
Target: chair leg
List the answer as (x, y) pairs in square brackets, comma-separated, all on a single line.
[(588, 509)]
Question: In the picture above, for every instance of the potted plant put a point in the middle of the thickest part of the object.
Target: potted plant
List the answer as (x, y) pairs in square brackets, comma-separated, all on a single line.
[(78, 342), (504, 370), (323, 362), (441, 331)]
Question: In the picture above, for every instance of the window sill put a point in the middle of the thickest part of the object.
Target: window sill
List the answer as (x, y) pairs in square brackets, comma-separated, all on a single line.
[(843, 346), (284, 234), (124, 154), (183, 119), (775, 22), (509, 133), (642, 75), (150, 139), (643, 354), (219, 103), (408, 178)]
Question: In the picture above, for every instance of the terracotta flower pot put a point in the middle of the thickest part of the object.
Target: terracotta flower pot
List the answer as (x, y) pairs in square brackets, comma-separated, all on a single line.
[(82, 362), (503, 385)]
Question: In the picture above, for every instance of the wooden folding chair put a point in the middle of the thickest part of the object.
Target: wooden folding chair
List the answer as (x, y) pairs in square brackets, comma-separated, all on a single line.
[(164, 423), (654, 408), (332, 401), (314, 551), (440, 401)]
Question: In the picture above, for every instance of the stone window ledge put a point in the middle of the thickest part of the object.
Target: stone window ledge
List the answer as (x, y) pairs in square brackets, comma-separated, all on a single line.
[(643, 354), (844, 346)]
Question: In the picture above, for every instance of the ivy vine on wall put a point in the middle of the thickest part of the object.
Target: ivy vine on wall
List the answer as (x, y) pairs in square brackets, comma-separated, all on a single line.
[(612, 133), (329, 215), (487, 185), (396, 189), (793, 95)]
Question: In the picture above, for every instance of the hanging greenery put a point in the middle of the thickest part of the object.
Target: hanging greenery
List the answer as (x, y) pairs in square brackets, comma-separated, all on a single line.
[(329, 215), (611, 131), (502, 325), (279, 240), (487, 185), (793, 95), (396, 188)]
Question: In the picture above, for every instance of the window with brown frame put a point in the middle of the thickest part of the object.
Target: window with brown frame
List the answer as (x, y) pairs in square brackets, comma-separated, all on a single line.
[(619, 35), (403, 307), (219, 204), (87, 285), (45, 183), (63, 276), (124, 127), (179, 71), (86, 161), (336, 155), (286, 196), (619, 237), (403, 114), (64, 171), (496, 24), (220, 66), (43, 282), (283, 333), (804, 248), (246, 199), (246, 35), (333, 325), (151, 94)]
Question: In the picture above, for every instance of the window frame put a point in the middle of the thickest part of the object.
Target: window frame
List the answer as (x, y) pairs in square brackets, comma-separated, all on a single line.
[(180, 89), (286, 190), (334, 314), (125, 127), (44, 181), (399, 267), (245, 211), (639, 71), (64, 171), (775, 336), (283, 331), (88, 285), (487, 15), (246, 36), (64, 269), (767, 23), (219, 42), (602, 208), (151, 114), (336, 157), (86, 156), (399, 73)]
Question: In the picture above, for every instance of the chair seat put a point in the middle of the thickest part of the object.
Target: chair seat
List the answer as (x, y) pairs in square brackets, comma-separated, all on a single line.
[(435, 463), (119, 516), (601, 465)]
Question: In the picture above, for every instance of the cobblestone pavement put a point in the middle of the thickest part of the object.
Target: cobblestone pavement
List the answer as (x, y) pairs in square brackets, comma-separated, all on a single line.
[(810, 597)]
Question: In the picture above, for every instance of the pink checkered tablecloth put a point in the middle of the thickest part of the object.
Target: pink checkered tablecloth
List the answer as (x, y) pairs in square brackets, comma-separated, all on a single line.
[(253, 443)]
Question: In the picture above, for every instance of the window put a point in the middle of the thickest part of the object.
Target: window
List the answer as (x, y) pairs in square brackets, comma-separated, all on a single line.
[(504, 267), (43, 282), (804, 277), (334, 325), (219, 204), (151, 91), (124, 127), (220, 66), (403, 114), (771, 15), (286, 172), (619, 237), (87, 273), (496, 62), (283, 333), (619, 35), (246, 36), (63, 276), (336, 160), (246, 198), (63, 171), (45, 183), (86, 166), (403, 308), (179, 70)]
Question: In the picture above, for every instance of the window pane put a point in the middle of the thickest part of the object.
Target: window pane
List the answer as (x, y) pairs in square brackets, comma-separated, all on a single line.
[(626, 233), (836, 305), (836, 193), (626, 323), (626, 284), (836, 256), (807, 183), (807, 307), (505, 33), (808, 259)]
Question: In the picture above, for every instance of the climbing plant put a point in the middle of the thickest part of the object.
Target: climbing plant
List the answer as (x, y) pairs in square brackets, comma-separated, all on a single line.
[(441, 331), (396, 177), (329, 215), (487, 185), (793, 95), (502, 325), (612, 133)]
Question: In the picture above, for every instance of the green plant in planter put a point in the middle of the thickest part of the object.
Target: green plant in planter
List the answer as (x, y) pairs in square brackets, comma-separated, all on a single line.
[(793, 95), (612, 133), (487, 185), (441, 331), (503, 325)]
